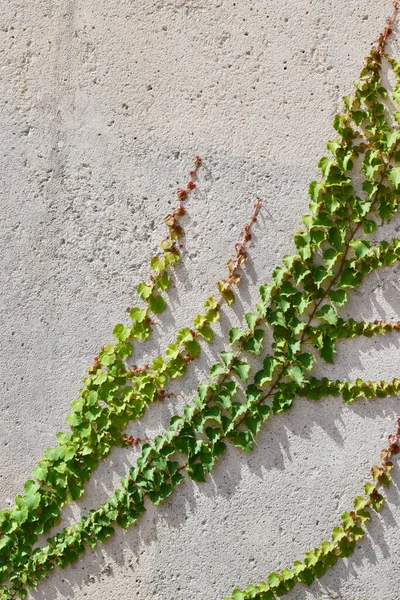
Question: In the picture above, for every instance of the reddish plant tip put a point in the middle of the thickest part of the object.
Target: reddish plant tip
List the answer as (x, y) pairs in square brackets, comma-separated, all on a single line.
[(180, 211), (197, 161), (191, 185), (181, 194), (238, 247)]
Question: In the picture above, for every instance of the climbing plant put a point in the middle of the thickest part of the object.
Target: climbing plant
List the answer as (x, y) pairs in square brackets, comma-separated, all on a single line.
[(299, 311)]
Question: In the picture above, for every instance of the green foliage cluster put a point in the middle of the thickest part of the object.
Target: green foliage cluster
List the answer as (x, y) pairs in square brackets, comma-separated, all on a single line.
[(114, 394), (343, 540), (300, 312)]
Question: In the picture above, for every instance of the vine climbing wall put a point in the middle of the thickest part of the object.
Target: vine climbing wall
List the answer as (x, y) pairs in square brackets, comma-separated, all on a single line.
[(216, 115)]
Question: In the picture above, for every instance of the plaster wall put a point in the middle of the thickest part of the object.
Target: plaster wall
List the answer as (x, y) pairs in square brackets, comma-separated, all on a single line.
[(104, 104)]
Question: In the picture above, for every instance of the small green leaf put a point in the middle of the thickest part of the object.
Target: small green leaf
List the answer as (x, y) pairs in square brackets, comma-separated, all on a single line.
[(172, 351), (124, 349), (242, 369), (157, 304), (121, 332), (193, 348), (227, 358), (217, 370), (394, 176), (251, 320), (210, 303), (273, 580), (144, 290), (207, 333), (235, 334), (360, 247), (157, 264), (296, 373), (369, 226), (184, 335), (163, 281), (339, 297), (328, 314)]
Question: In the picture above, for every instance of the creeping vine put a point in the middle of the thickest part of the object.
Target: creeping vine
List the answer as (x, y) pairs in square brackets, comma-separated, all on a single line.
[(299, 310)]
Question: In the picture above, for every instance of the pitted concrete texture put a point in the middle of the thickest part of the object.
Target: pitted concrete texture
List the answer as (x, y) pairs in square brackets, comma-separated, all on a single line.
[(105, 103)]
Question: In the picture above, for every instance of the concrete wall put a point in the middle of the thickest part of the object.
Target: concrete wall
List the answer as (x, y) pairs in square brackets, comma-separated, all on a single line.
[(105, 104)]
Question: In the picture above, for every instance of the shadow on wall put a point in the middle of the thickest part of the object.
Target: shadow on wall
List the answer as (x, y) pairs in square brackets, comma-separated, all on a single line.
[(276, 449)]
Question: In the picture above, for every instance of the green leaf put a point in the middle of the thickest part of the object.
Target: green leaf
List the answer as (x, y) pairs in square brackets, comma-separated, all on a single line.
[(184, 335), (360, 247), (217, 370), (273, 580), (144, 290), (227, 358), (336, 237), (172, 351), (254, 343), (212, 315), (369, 226), (241, 439), (349, 278), (235, 334), (337, 534), (330, 256), (306, 360), (328, 314), (207, 333), (199, 321), (157, 304), (339, 297), (251, 320), (196, 472), (238, 595), (163, 281), (193, 348), (296, 373), (157, 264), (124, 349), (121, 332), (360, 503), (242, 369), (210, 303), (394, 176), (228, 296)]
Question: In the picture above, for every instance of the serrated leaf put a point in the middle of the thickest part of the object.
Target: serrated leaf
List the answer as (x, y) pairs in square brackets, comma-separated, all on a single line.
[(217, 370), (251, 320), (328, 314), (163, 281), (235, 334), (339, 297), (394, 176), (144, 290), (360, 247), (241, 369), (227, 358), (296, 373), (207, 333), (210, 303), (121, 332), (184, 335), (273, 580)]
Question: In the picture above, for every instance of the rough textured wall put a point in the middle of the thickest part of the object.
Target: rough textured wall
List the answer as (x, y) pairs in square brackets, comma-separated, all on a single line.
[(105, 104)]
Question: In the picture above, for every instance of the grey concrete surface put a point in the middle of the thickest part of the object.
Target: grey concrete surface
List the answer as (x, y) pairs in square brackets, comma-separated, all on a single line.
[(104, 104)]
